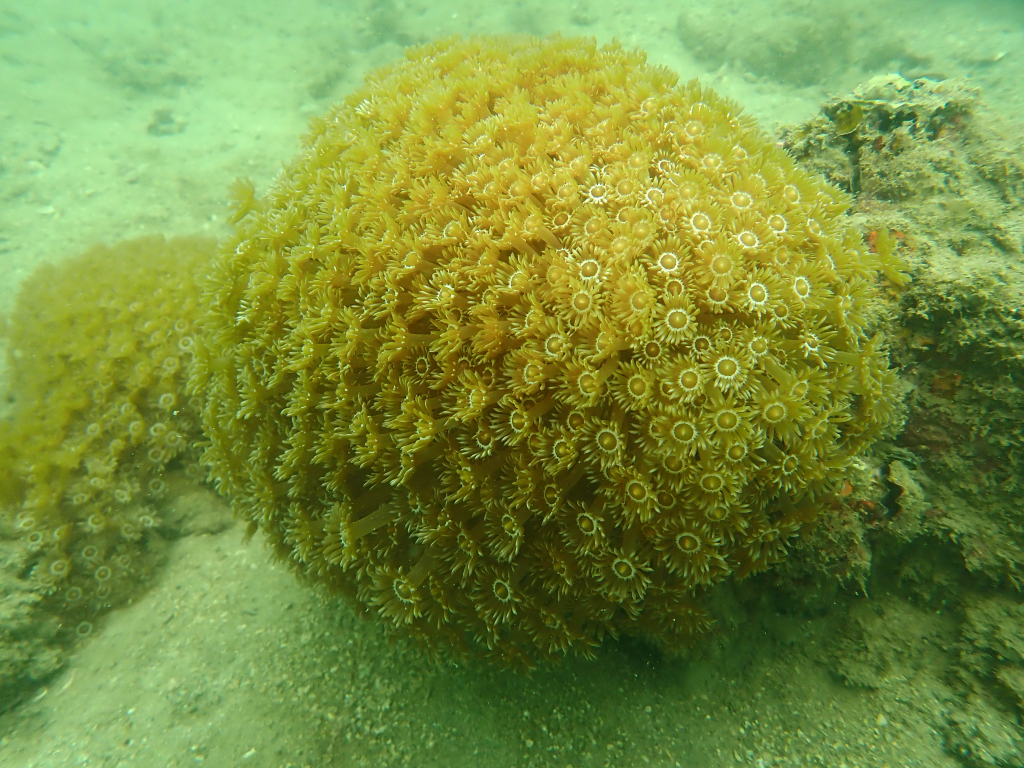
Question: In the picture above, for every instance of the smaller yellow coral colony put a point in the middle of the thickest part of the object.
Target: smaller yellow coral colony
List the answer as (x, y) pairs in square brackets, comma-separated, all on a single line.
[(531, 345), (99, 345)]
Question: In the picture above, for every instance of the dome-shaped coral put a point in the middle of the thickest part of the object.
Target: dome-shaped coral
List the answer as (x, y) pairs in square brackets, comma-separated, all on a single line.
[(99, 344), (531, 344)]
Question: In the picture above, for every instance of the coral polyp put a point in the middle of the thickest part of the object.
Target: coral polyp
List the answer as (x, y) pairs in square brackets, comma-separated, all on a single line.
[(525, 348)]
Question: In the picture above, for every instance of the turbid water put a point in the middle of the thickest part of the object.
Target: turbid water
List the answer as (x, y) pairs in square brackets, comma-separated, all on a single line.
[(119, 120)]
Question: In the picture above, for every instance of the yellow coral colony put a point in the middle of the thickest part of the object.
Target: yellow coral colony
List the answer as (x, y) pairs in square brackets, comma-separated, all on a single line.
[(531, 345), (99, 347)]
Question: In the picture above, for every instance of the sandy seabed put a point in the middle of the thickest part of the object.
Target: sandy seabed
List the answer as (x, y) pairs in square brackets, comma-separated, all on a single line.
[(122, 119)]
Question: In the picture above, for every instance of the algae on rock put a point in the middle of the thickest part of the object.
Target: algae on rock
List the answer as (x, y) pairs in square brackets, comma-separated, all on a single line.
[(937, 179)]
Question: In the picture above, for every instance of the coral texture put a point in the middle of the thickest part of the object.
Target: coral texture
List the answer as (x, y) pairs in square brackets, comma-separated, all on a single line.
[(531, 345), (99, 346)]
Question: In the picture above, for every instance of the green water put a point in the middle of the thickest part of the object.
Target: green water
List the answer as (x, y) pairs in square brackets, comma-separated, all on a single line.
[(895, 638)]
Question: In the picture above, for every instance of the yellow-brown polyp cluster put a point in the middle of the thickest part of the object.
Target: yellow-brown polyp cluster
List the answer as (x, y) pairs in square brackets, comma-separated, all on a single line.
[(531, 345), (99, 347)]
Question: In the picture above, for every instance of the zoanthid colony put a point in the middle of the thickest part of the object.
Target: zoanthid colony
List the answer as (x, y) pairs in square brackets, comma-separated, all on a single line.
[(531, 344), (99, 345)]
